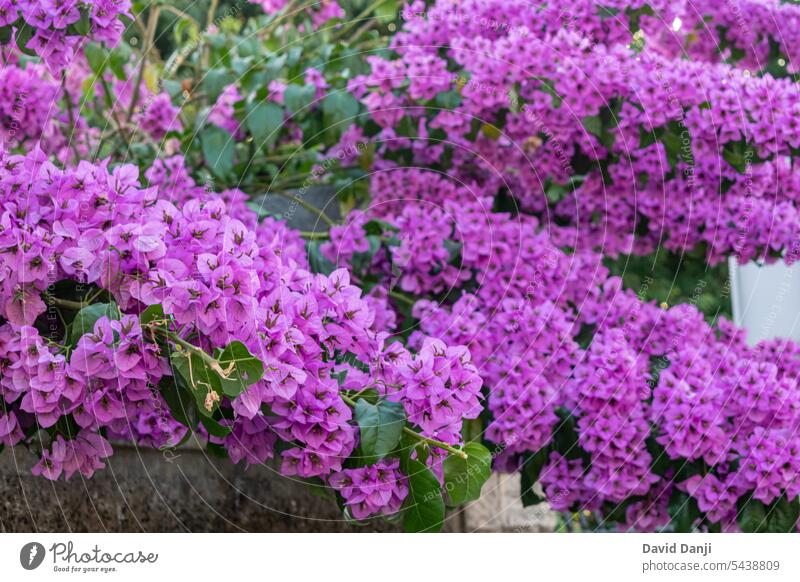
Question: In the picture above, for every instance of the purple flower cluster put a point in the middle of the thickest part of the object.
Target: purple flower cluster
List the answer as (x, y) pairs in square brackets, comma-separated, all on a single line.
[(159, 116), (81, 454), (438, 387), (522, 313), (543, 98), (220, 275), (56, 37), (377, 489), (320, 12), (27, 98), (221, 113), (609, 385), (562, 480)]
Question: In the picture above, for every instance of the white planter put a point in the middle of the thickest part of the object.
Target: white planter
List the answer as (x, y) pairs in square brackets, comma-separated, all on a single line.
[(766, 299)]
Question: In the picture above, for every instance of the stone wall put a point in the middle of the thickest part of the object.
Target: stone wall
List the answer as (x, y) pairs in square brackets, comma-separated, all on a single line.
[(141, 490)]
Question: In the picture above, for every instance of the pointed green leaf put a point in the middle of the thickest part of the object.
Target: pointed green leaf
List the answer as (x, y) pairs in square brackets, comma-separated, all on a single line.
[(783, 515), (83, 25), (683, 510), (241, 368), (298, 97), (23, 36), (387, 11), (529, 473), (339, 107), (151, 313), (594, 125), (264, 120), (213, 427), (463, 478), (179, 400), (199, 378), (96, 56), (752, 516), (218, 147), (381, 427), (424, 506), (86, 318)]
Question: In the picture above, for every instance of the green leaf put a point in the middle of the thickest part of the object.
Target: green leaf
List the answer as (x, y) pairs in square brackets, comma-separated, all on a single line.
[(217, 450), (424, 505), (752, 516), (241, 368), (529, 473), (339, 107), (783, 515), (86, 318), (673, 139), (386, 11), (215, 82), (317, 262), (213, 427), (472, 430), (83, 25), (5, 36), (117, 59), (96, 56), (565, 437), (683, 510), (448, 99), (179, 400), (735, 159), (264, 120), (463, 478), (199, 378), (23, 37), (556, 192), (491, 131), (381, 427), (151, 313), (218, 147), (298, 97), (594, 125), (661, 462)]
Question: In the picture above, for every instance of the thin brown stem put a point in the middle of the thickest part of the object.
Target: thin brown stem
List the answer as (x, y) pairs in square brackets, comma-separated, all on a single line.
[(150, 33)]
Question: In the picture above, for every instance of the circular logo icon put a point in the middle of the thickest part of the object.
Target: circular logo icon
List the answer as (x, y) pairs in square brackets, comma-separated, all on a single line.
[(31, 555)]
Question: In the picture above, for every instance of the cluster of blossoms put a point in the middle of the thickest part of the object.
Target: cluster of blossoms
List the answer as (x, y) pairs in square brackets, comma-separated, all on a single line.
[(609, 385), (752, 33), (55, 30), (654, 387), (217, 279), (378, 489), (320, 12), (544, 93), (26, 97), (616, 141), (221, 113), (158, 116), (30, 112), (438, 388)]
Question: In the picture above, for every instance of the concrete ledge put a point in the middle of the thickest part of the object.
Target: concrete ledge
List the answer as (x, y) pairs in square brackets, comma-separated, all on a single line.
[(141, 491)]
